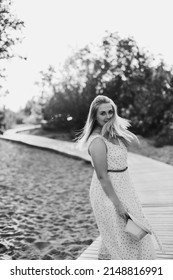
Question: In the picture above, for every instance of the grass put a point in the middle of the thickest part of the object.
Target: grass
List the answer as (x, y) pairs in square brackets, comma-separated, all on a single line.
[(146, 148)]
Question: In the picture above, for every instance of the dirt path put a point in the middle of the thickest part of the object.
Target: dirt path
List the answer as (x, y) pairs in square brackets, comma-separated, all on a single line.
[(45, 211)]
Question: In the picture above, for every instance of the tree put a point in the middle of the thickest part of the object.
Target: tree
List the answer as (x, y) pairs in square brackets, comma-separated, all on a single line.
[(9, 27), (78, 83), (119, 69), (142, 90)]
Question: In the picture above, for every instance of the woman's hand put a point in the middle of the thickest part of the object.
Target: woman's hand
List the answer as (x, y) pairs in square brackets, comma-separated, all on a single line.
[(122, 212)]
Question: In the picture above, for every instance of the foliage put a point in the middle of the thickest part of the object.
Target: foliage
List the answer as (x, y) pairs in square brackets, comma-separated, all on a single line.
[(165, 137), (8, 24), (2, 121), (74, 91), (10, 28), (118, 68), (32, 113), (10, 118)]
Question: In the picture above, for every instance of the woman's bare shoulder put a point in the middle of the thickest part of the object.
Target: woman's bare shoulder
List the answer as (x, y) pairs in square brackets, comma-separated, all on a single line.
[(96, 142)]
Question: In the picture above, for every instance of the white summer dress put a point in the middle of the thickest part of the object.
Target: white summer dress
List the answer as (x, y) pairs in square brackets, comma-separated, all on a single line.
[(116, 244)]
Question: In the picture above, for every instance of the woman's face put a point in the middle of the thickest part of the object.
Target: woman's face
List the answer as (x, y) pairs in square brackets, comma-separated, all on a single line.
[(104, 113)]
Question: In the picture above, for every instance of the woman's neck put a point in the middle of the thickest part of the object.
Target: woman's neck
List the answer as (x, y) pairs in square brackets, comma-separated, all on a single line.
[(97, 130)]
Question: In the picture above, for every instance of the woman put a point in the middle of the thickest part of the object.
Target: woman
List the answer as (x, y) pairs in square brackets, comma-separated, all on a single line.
[(111, 192)]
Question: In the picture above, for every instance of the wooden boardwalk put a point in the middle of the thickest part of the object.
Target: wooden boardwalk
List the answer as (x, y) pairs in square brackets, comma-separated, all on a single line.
[(152, 179)]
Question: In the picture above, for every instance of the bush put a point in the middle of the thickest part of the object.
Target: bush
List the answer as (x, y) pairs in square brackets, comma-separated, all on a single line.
[(10, 119), (165, 137)]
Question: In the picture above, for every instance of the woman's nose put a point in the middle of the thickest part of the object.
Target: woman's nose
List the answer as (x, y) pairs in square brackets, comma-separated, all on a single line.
[(108, 117)]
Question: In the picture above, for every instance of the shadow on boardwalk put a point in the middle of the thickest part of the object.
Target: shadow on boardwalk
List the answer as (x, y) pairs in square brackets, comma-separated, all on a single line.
[(152, 179)]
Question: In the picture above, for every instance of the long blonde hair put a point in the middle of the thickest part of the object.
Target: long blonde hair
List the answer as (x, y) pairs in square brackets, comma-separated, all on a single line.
[(116, 127)]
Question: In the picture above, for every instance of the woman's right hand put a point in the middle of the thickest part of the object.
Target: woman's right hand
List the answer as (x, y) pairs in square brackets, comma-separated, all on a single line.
[(122, 212)]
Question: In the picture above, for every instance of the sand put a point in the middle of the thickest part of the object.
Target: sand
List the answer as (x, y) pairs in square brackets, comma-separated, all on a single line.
[(45, 212)]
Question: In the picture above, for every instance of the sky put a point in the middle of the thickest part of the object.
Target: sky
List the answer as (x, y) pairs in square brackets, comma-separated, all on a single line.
[(54, 27)]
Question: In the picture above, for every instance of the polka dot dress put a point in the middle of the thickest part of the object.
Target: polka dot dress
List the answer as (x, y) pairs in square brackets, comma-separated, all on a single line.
[(116, 244)]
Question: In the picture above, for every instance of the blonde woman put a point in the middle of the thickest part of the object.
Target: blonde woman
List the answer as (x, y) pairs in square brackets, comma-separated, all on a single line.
[(112, 194)]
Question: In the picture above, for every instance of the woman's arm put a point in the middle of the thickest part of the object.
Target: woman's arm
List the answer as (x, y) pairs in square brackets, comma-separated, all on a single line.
[(98, 153)]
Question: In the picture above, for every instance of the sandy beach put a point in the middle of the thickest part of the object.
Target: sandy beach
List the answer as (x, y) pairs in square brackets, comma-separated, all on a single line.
[(45, 208)]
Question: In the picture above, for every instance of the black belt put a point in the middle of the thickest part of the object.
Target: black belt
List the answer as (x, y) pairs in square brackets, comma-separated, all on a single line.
[(119, 170)]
